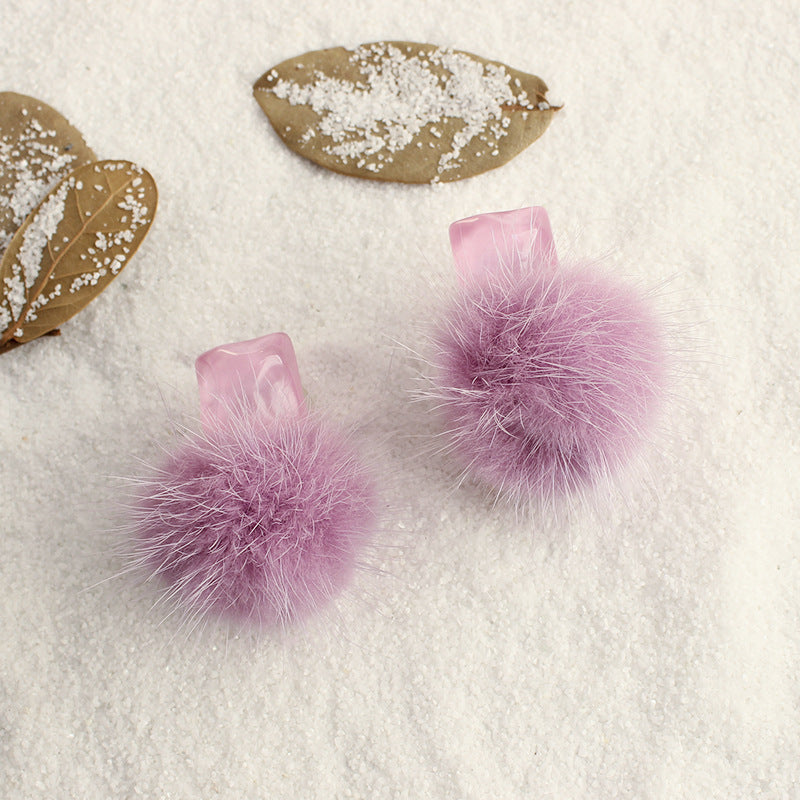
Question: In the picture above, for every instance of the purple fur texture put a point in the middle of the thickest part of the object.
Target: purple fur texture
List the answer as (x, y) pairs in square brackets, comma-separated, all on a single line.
[(260, 524), (547, 381)]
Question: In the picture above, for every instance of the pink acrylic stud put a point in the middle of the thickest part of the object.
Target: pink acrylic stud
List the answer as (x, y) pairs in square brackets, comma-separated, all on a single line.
[(259, 375), (505, 239)]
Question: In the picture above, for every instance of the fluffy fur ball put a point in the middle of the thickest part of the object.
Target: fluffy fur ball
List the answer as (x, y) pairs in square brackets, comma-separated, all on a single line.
[(547, 381), (257, 524)]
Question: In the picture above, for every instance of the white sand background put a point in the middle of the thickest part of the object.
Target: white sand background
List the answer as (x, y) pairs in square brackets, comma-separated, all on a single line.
[(646, 647)]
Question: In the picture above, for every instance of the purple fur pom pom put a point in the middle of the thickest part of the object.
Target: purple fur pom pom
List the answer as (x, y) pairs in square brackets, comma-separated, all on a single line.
[(262, 523), (547, 380)]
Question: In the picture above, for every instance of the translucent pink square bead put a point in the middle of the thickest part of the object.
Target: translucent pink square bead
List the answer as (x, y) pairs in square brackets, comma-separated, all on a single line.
[(259, 375), (516, 239)]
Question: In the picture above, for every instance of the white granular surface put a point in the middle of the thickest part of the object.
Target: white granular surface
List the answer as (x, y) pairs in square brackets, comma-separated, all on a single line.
[(647, 649)]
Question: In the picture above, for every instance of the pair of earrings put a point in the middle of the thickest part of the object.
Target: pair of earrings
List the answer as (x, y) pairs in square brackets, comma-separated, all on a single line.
[(547, 378)]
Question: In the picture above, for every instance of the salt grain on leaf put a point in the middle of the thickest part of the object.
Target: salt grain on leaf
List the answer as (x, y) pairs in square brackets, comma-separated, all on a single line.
[(72, 246), (400, 111), (38, 147)]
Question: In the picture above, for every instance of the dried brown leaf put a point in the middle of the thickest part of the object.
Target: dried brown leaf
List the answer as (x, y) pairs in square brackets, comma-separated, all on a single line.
[(402, 111), (38, 147), (72, 246)]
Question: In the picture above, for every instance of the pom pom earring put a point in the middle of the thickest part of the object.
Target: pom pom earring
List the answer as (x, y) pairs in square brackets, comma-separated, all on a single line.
[(547, 377), (264, 516)]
